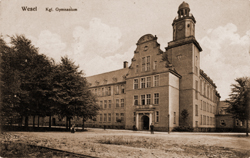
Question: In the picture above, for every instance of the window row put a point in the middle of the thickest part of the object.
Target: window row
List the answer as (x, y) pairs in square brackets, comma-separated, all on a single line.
[(145, 99), (145, 82), (119, 117), (206, 120), (106, 91), (108, 103), (207, 90), (208, 107)]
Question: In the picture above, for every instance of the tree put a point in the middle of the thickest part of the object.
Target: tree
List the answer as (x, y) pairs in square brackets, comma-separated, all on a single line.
[(10, 84), (26, 79), (70, 92), (184, 115), (89, 108), (239, 100)]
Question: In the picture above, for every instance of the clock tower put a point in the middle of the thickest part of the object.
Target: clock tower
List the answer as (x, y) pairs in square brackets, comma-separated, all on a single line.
[(183, 54), (184, 23)]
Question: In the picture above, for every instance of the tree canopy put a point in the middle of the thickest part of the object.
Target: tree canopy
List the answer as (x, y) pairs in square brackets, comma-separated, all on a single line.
[(239, 100), (33, 85)]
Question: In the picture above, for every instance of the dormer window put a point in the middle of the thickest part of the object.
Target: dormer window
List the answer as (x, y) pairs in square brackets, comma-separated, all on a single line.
[(105, 81), (114, 79)]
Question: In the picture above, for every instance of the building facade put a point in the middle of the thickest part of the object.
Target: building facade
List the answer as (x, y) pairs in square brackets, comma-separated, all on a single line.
[(225, 122), (159, 85)]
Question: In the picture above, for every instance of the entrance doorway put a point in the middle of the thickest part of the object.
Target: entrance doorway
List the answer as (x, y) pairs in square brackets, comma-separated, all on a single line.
[(145, 122)]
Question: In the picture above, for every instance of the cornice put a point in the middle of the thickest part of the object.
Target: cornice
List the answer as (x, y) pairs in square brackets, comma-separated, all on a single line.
[(184, 41)]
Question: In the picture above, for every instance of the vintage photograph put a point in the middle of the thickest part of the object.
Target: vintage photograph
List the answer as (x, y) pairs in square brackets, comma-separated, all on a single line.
[(127, 78)]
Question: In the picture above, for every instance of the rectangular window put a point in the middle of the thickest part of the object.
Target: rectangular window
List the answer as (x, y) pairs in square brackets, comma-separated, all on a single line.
[(237, 122), (156, 81), (137, 69), (196, 89), (204, 120), (100, 117), (117, 89), (148, 63), (214, 109), (136, 100), (122, 117), (157, 116), (143, 64), (211, 108), (142, 82), (201, 120), (156, 98), (204, 92), (123, 89), (196, 110), (96, 92), (109, 117), (201, 87), (155, 65), (101, 105), (207, 91), (148, 99), (207, 120), (135, 83), (122, 103), (174, 117), (210, 120), (105, 104), (105, 117), (102, 91), (142, 99), (116, 117), (109, 103), (134, 116), (201, 104), (207, 107), (204, 106), (99, 92), (109, 91), (148, 82), (117, 103), (106, 91), (222, 123)]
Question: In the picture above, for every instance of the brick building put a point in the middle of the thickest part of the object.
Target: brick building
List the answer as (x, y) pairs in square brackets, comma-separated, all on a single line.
[(159, 85)]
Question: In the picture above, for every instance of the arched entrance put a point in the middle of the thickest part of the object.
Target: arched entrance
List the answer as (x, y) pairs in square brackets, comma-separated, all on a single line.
[(145, 122)]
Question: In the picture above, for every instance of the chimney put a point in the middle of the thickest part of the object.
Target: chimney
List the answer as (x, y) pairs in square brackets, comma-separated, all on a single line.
[(125, 64)]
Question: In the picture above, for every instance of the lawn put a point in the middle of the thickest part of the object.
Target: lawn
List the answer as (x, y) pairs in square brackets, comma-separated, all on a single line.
[(125, 143)]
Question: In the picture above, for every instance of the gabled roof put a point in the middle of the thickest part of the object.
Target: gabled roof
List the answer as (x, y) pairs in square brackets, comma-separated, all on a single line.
[(111, 77)]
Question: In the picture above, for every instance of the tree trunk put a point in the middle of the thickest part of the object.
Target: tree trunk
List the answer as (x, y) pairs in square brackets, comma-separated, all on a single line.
[(83, 121), (69, 122), (21, 121), (49, 121), (26, 121), (67, 127), (38, 121), (34, 117), (247, 128)]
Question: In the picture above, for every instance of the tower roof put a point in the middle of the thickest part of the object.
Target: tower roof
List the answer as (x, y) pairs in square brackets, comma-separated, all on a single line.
[(183, 5)]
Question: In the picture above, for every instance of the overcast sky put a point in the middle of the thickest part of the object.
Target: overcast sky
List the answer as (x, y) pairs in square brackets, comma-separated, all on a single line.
[(102, 34)]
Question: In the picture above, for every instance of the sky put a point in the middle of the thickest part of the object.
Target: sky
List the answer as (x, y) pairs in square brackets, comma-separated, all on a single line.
[(102, 34)]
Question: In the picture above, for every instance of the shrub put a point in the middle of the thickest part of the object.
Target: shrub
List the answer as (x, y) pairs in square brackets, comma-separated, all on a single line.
[(183, 129)]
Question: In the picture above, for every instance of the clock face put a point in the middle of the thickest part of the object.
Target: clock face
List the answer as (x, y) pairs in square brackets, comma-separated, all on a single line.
[(180, 27)]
